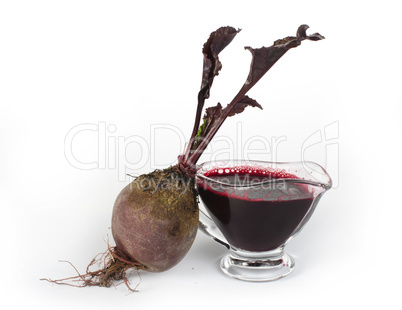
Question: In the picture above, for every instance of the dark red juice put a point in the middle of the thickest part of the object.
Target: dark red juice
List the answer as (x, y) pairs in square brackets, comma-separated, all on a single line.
[(255, 218)]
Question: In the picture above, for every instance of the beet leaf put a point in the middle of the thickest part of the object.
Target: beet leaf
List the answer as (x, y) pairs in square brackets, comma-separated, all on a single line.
[(262, 60), (217, 41)]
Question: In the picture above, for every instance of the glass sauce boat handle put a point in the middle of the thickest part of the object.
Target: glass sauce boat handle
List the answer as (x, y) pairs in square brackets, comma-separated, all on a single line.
[(208, 227)]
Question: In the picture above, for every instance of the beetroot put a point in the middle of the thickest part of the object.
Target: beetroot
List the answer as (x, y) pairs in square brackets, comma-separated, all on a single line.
[(155, 218)]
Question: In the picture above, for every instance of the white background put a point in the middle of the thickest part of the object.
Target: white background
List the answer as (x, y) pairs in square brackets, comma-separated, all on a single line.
[(133, 65)]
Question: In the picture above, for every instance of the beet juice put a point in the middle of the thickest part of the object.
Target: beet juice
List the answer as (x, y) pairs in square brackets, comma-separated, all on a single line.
[(256, 209)]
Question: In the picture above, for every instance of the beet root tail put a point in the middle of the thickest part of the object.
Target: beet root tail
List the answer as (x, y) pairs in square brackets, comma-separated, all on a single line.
[(114, 269)]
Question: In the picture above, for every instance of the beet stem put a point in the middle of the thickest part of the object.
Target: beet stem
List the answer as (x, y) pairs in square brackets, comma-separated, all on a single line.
[(195, 129), (207, 139)]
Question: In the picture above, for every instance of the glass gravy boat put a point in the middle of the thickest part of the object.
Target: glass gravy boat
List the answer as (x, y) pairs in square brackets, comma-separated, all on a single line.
[(255, 208)]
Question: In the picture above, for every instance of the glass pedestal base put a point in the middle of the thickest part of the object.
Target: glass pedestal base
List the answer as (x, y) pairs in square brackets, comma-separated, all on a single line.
[(257, 269)]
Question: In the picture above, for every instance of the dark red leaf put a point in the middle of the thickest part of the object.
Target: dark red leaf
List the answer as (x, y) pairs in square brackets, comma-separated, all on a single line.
[(262, 60), (265, 57), (212, 113), (242, 104), (215, 44), (217, 41)]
